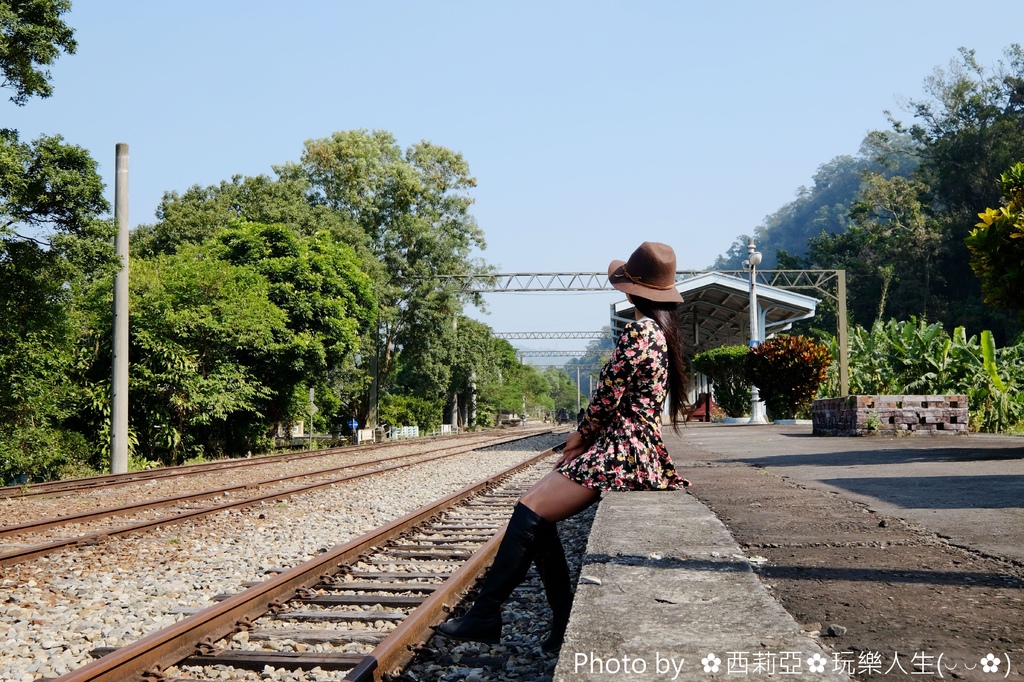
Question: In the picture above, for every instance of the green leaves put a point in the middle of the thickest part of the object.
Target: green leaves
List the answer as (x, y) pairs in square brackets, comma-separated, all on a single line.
[(918, 358), (413, 207), (997, 252), (200, 330), (32, 36), (725, 368), (787, 371), (988, 350), (229, 335), (46, 186)]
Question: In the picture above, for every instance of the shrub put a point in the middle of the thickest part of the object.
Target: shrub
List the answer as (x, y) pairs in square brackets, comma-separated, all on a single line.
[(40, 454), (402, 410), (725, 368), (787, 371)]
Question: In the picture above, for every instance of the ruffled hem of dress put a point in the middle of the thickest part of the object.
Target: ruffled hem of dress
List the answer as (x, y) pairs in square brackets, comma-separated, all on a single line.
[(601, 485)]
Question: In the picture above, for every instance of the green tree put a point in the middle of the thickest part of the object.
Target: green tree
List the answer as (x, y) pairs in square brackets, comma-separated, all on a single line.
[(329, 305), (201, 213), (889, 250), (997, 245), (32, 36), (37, 356), (200, 328), (562, 389), (414, 208), (52, 243), (408, 410), (48, 189), (969, 128)]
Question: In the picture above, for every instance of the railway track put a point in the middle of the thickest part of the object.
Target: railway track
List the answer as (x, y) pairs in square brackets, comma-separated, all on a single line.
[(31, 543), (364, 606), (93, 483)]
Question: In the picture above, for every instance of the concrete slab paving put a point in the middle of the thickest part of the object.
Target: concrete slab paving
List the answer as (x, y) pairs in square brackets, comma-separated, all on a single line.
[(969, 489), (666, 593)]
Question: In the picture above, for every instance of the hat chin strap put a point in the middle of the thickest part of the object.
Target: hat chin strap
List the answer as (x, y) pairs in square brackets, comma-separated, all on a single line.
[(639, 280)]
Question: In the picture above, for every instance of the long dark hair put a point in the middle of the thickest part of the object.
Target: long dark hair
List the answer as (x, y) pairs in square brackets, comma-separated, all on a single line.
[(666, 315)]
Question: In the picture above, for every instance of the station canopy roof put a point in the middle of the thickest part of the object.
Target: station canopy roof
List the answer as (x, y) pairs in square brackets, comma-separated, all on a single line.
[(716, 311)]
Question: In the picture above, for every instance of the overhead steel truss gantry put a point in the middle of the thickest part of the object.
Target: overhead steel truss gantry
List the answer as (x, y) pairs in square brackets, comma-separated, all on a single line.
[(551, 353), (724, 315), (510, 336)]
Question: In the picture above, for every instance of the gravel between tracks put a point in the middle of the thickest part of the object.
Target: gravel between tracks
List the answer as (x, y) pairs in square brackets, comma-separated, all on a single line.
[(15, 510), (527, 617), (55, 609)]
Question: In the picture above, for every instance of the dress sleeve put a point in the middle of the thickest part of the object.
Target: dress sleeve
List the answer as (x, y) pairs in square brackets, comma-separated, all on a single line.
[(614, 379)]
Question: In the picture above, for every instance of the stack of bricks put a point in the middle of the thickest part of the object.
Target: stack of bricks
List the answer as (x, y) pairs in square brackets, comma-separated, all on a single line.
[(860, 415)]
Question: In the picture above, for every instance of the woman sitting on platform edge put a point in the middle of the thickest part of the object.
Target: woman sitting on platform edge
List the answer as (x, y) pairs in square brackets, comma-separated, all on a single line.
[(618, 446)]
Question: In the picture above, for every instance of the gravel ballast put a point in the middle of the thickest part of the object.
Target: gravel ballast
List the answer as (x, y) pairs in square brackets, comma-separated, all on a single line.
[(55, 609)]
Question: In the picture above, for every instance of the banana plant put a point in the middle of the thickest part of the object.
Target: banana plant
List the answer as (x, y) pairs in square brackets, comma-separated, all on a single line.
[(914, 357), (993, 398)]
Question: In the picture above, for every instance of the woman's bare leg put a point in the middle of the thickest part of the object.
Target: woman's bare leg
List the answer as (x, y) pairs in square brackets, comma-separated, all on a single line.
[(556, 498)]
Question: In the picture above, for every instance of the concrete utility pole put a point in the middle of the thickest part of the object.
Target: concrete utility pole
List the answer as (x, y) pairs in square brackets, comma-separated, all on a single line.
[(454, 417), (757, 410), (119, 375), (578, 388)]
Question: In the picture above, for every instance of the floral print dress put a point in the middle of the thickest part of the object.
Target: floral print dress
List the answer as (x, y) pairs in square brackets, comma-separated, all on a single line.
[(623, 422)]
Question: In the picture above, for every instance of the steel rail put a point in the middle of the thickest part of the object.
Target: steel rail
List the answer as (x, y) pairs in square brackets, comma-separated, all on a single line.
[(75, 485), (398, 649), (30, 552), (167, 646), (123, 510)]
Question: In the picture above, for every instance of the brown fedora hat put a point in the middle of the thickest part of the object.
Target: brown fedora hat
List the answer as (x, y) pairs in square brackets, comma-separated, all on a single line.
[(649, 273)]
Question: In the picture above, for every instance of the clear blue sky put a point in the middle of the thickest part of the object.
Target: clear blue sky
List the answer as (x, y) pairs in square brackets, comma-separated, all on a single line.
[(590, 126)]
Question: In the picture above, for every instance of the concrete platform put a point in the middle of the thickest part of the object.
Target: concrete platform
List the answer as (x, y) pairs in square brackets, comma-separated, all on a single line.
[(665, 593)]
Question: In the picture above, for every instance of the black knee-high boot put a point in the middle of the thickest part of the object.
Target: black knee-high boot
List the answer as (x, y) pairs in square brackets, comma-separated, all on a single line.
[(513, 559), (554, 573)]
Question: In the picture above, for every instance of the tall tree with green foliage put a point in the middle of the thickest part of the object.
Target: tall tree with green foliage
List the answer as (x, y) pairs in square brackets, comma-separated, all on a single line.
[(889, 251), (32, 36), (969, 128), (52, 243), (414, 208), (200, 213), (201, 330), (329, 306), (562, 389)]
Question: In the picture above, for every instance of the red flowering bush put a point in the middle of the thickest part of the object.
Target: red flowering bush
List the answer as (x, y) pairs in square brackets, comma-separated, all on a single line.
[(787, 371)]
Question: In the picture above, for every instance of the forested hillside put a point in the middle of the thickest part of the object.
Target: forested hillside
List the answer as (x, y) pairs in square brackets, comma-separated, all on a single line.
[(896, 215)]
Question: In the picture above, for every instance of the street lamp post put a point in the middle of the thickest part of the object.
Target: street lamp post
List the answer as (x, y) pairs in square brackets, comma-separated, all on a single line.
[(757, 413)]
